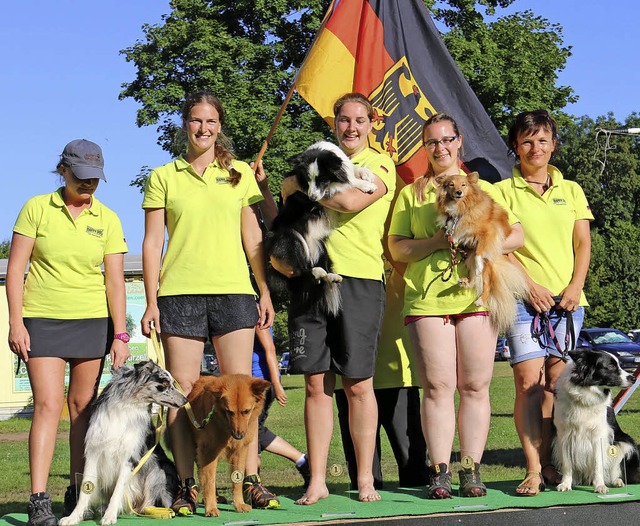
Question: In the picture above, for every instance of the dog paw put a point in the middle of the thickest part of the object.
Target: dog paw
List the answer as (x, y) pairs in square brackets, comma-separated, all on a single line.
[(71, 520), (479, 302), (618, 483), (600, 488), (108, 518), (241, 507), (563, 487), (464, 282), (333, 278), (364, 174), (212, 512), (318, 273)]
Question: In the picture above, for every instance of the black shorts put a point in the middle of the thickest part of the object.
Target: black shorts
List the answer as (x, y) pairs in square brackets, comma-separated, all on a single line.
[(346, 344), (88, 338), (207, 315)]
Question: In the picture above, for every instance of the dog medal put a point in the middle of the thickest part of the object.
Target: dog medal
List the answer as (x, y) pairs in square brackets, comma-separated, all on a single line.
[(612, 451), (467, 462), (237, 477), (88, 487), (335, 470)]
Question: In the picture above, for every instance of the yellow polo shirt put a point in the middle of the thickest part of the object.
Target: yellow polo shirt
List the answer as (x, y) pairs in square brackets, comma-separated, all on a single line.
[(548, 221), (204, 253), (65, 280), (425, 291), (355, 246)]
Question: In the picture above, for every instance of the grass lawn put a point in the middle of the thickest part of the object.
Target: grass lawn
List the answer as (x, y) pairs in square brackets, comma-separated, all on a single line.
[(503, 459)]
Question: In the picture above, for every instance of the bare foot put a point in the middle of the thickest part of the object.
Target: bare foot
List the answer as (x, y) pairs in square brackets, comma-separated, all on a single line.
[(313, 495), (367, 493)]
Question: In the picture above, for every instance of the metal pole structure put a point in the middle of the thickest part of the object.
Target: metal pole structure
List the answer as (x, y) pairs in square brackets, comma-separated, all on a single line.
[(625, 394)]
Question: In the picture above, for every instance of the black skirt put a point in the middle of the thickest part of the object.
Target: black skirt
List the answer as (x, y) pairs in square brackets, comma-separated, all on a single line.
[(87, 338)]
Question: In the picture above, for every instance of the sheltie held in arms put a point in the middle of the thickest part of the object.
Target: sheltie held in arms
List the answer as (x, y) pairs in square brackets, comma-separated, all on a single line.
[(298, 234), (120, 432), (589, 447), (478, 225)]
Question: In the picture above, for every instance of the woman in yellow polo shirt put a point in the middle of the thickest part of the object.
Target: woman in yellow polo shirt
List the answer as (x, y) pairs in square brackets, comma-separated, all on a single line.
[(322, 345), (453, 339), (207, 201), (555, 216), (67, 311)]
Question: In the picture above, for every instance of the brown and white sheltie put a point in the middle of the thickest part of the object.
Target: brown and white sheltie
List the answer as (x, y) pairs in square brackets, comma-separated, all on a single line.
[(480, 226)]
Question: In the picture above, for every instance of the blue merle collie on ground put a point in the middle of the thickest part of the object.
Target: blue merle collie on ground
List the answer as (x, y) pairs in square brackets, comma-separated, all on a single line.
[(120, 433)]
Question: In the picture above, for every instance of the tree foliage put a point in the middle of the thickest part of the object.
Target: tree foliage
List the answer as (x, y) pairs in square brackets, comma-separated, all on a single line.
[(612, 186), (4, 248), (247, 52)]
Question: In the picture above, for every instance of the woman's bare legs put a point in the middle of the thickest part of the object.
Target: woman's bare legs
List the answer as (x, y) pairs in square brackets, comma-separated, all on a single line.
[(47, 385), (363, 424), (83, 388), (476, 343), (318, 424)]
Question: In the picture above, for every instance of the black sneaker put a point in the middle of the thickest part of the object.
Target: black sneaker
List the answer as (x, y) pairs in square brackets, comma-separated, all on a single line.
[(39, 510), (305, 471), (70, 502), (186, 501), (257, 495)]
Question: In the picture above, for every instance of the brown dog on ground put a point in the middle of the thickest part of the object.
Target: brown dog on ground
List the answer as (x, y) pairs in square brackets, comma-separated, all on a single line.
[(230, 405), (479, 225)]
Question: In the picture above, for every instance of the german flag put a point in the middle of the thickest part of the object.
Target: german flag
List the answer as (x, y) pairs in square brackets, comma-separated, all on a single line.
[(391, 51)]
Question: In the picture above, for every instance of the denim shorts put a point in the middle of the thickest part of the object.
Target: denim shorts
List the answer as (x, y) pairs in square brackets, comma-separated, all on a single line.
[(524, 346)]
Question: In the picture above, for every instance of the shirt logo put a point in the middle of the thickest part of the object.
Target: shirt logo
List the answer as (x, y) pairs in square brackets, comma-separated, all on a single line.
[(95, 232), (559, 201), (222, 180)]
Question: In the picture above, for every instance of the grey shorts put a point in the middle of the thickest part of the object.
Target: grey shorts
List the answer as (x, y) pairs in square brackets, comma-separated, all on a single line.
[(88, 338), (207, 315), (346, 344)]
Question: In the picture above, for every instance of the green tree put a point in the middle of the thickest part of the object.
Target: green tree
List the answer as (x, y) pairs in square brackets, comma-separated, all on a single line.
[(607, 167), (4, 248)]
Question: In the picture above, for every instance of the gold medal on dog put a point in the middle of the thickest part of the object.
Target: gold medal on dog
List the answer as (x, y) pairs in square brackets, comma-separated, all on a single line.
[(467, 462), (335, 470), (236, 477), (613, 451), (88, 487)]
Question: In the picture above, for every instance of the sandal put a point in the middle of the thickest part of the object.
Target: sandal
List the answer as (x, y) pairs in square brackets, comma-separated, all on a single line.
[(439, 482), (470, 482), (527, 484), (554, 479)]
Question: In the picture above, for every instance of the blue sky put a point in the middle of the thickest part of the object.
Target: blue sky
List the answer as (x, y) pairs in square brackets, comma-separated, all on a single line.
[(63, 72)]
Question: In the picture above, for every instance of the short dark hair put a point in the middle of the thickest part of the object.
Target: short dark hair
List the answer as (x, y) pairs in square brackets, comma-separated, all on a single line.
[(530, 122)]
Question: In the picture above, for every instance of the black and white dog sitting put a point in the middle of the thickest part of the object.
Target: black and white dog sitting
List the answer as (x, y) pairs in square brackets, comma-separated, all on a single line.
[(589, 447), (120, 433), (299, 232)]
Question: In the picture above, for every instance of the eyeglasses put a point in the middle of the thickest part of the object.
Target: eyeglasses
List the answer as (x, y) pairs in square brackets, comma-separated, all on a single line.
[(445, 141), (534, 113)]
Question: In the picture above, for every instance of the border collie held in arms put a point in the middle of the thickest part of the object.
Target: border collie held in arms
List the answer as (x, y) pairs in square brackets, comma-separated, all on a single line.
[(299, 232), (589, 447), (120, 433)]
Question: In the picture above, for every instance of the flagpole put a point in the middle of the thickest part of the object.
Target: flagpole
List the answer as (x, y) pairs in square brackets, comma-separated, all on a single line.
[(285, 103)]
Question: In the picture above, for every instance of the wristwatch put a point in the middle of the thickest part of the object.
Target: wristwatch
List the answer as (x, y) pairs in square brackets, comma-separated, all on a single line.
[(122, 336)]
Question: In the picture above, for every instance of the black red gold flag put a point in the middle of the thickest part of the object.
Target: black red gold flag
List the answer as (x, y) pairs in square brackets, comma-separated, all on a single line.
[(391, 51)]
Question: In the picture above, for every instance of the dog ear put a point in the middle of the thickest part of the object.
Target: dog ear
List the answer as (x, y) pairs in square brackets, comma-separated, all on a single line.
[(439, 180), (259, 386), (473, 177)]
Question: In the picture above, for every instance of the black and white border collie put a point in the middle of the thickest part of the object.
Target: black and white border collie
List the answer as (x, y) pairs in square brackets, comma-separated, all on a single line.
[(120, 433), (589, 447), (299, 232)]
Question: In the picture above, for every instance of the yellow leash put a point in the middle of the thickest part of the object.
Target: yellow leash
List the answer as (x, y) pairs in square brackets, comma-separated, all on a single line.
[(154, 512)]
